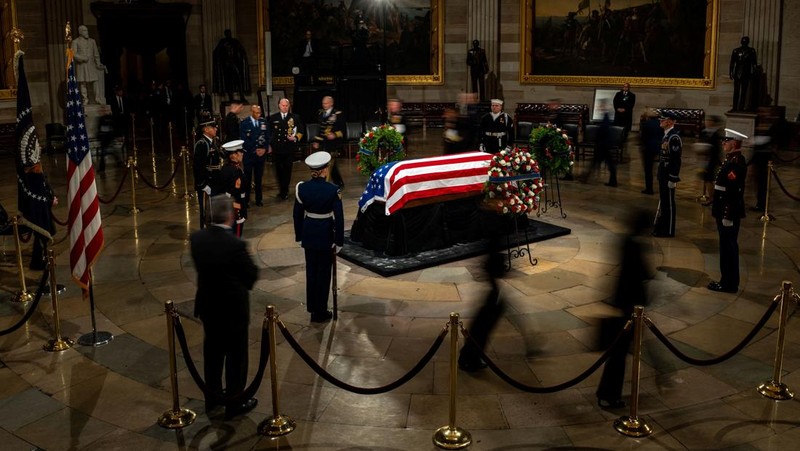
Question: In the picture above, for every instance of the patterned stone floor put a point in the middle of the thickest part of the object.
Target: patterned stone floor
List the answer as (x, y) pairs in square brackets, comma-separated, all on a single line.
[(110, 397)]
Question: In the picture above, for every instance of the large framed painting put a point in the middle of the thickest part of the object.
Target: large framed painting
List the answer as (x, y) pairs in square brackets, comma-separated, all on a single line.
[(659, 43), (405, 37)]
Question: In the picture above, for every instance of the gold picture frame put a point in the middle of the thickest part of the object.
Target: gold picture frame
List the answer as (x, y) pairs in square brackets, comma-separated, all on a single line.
[(11, 37), (531, 55), (436, 54)]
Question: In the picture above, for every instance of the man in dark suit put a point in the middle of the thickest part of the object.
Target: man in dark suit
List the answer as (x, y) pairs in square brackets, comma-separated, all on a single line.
[(307, 52), (331, 135), (231, 124), (624, 101), (286, 133), (255, 134), (225, 275), (121, 111), (319, 227), (202, 103)]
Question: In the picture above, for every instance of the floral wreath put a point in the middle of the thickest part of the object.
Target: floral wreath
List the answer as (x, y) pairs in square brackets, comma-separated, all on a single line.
[(514, 182), (552, 148), (379, 146)]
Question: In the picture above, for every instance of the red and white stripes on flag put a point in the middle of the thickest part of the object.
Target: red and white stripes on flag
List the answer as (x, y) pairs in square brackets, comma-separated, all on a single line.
[(85, 230), (423, 178)]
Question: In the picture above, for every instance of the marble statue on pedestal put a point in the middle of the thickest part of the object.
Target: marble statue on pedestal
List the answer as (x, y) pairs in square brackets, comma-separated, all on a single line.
[(88, 69)]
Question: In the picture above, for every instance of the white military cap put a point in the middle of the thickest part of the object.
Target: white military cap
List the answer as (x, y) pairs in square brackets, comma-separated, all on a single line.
[(318, 160), (497, 101), (733, 134), (233, 146)]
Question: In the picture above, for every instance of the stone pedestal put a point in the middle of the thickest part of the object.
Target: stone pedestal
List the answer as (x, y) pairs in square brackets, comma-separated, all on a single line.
[(742, 122), (93, 114)]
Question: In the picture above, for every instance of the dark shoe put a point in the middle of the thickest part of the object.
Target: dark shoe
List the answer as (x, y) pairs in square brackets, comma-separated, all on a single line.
[(606, 404), (472, 366), (259, 204), (321, 317), (647, 191), (715, 286), (285, 197), (234, 411), (37, 265), (613, 185), (757, 208)]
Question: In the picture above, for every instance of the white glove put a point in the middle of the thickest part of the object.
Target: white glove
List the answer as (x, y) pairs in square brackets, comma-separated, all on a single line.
[(671, 185), (241, 220), (207, 189), (727, 223), (482, 148), (337, 248)]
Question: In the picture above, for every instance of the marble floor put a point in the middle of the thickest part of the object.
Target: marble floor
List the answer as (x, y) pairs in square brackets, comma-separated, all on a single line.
[(110, 397)]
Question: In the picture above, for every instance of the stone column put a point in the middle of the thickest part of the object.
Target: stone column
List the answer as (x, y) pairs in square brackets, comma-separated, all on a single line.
[(763, 23), (218, 16), (482, 24)]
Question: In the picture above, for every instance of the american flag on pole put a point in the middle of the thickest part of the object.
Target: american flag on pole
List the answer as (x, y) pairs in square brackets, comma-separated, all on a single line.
[(85, 231), (400, 182)]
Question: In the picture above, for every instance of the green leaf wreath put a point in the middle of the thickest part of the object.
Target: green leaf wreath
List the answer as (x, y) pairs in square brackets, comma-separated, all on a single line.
[(552, 148), (378, 146)]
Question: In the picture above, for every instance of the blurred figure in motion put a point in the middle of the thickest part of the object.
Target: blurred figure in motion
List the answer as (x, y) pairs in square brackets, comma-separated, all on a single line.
[(630, 292), (651, 136), (497, 228), (602, 149), (710, 146)]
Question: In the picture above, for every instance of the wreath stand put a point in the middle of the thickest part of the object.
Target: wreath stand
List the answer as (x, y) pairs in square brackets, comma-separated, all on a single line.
[(551, 199), (517, 249)]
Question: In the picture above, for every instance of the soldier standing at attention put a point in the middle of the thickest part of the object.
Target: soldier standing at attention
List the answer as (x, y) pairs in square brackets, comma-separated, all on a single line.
[(285, 136), (497, 129), (319, 227), (207, 165), (669, 168), (234, 183), (255, 134)]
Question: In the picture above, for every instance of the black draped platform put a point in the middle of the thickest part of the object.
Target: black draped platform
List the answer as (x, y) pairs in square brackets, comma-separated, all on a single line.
[(429, 235)]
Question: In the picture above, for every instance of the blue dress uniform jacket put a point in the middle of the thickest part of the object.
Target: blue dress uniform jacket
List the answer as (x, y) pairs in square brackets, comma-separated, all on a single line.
[(669, 169), (332, 123), (255, 135), (282, 149), (206, 167), (318, 225), (234, 183), (497, 133)]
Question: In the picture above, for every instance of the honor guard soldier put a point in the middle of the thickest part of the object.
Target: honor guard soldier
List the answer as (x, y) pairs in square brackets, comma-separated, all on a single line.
[(727, 207), (319, 227), (497, 129), (285, 136), (234, 183), (207, 165), (255, 134), (669, 169), (331, 135)]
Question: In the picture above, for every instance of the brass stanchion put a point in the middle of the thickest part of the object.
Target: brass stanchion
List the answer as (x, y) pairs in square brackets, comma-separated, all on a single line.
[(171, 150), (632, 425), (23, 295), (185, 160), (132, 166), (152, 138), (766, 217), (58, 343), (176, 417), (172, 160), (278, 424), (775, 389), (452, 436), (134, 147)]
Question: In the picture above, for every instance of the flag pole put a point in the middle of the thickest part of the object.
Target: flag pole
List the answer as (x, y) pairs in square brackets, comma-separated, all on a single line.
[(94, 338)]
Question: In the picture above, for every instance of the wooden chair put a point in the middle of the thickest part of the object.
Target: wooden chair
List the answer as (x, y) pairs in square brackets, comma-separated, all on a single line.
[(354, 132), (589, 138), (523, 134)]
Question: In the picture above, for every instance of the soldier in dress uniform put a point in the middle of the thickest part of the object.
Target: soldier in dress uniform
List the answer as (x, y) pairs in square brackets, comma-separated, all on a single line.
[(669, 168), (319, 227), (331, 135), (234, 183), (255, 134), (497, 129), (286, 134), (727, 207), (231, 125), (207, 165)]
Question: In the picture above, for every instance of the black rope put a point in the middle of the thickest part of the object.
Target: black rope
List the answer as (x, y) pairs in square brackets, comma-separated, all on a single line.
[(55, 219), (26, 237), (553, 388), (777, 179), (159, 188), (360, 390), (31, 309), (715, 360), (119, 189), (216, 397)]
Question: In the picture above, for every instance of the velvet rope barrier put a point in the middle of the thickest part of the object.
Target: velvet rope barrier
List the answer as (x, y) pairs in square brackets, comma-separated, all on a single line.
[(783, 188), (159, 188), (713, 361), (553, 388), (360, 390), (32, 308), (119, 189), (55, 219), (215, 397)]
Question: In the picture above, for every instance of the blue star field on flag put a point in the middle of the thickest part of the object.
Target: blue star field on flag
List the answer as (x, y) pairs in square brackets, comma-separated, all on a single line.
[(375, 187), (77, 138)]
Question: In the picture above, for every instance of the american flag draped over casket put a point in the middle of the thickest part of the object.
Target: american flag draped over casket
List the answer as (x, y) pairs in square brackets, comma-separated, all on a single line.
[(400, 182)]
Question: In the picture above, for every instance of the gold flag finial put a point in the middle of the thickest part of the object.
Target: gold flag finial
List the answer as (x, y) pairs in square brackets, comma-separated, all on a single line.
[(68, 35)]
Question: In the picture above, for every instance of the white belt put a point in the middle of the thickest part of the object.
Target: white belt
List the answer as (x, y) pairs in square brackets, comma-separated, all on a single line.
[(319, 215), (497, 134), (719, 188)]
